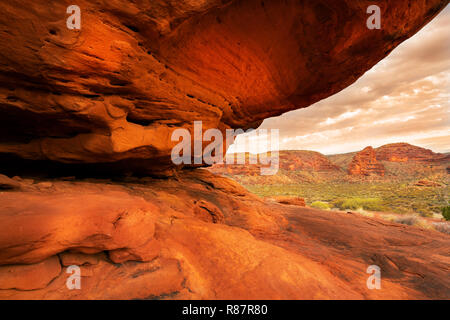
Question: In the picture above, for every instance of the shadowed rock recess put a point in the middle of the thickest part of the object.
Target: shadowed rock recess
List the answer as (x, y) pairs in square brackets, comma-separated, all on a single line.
[(106, 99)]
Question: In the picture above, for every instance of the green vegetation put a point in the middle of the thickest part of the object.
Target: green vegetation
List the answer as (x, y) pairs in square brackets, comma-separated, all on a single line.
[(397, 192), (396, 197), (320, 205), (446, 212), (371, 204)]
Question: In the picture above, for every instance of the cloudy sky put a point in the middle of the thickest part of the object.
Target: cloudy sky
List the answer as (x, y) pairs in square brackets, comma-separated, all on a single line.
[(404, 98)]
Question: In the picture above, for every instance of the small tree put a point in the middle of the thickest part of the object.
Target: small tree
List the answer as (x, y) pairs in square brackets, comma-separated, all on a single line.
[(446, 212)]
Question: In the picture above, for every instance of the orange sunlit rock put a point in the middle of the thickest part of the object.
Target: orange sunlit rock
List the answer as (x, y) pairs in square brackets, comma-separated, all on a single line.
[(76, 104), (403, 152), (256, 250), (365, 163), (114, 91)]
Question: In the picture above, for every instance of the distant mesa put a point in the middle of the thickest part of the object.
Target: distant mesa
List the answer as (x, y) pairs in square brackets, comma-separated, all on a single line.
[(388, 161), (294, 160), (403, 152), (365, 163), (306, 160), (375, 161)]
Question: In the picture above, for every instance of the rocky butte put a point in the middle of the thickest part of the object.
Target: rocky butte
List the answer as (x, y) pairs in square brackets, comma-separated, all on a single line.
[(85, 126), (365, 163)]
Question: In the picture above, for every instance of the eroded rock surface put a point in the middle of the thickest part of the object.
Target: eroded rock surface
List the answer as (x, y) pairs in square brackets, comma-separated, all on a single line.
[(202, 236), (114, 91)]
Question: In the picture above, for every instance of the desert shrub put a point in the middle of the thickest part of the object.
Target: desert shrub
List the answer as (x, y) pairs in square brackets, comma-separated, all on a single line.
[(371, 204), (396, 196), (365, 213), (422, 209), (338, 203), (320, 205), (446, 212), (409, 220), (388, 217), (442, 227)]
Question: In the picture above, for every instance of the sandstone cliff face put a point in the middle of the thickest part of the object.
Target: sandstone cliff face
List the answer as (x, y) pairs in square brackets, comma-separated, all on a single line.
[(365, 163), (114, 91)]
